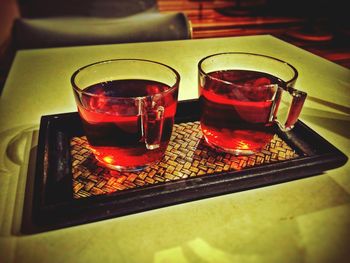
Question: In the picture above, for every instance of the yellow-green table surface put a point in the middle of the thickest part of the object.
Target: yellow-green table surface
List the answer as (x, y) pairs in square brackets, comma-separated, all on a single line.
[(306, 220)]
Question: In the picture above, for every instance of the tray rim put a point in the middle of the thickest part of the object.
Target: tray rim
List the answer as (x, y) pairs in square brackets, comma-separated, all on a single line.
[(46, 217)]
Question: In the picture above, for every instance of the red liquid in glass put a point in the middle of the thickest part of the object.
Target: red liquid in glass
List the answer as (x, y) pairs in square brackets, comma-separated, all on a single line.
[(114, 129), (237, 118)]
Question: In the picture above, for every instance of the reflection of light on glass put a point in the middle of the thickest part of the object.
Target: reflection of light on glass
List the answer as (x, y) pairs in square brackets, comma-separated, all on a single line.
[(242, 145), (207, 133), (108, 159)]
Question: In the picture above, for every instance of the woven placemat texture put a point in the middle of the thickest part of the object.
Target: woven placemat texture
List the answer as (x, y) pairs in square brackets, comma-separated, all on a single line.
[(187, 155)]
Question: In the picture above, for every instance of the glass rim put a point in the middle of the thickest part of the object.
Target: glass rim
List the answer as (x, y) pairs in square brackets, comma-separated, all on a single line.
[(288, 82), (76, 72)]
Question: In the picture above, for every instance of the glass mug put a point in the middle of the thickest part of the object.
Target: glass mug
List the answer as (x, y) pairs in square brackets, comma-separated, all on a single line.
[(127, 107), (240, 94)]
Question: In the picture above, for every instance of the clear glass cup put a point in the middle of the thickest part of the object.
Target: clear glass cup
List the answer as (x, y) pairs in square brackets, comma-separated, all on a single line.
[(127, 107), (240, 94)]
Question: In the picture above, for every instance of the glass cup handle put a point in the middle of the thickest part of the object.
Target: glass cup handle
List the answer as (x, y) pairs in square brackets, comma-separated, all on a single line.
[(298, 98), (152, 118)]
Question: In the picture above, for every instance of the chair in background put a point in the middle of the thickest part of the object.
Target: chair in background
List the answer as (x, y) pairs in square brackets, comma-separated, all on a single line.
[(85, 8), (55, 23), (59, 23)]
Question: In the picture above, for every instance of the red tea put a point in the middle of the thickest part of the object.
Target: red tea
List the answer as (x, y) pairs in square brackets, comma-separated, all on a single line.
[(113, 124), (236, 109)]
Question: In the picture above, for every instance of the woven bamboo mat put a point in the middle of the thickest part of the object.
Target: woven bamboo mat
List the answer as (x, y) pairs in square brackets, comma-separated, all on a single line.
[(187, 156)]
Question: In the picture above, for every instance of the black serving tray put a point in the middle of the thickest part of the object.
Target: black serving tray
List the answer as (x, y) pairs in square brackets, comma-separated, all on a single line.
[(50, 202)]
